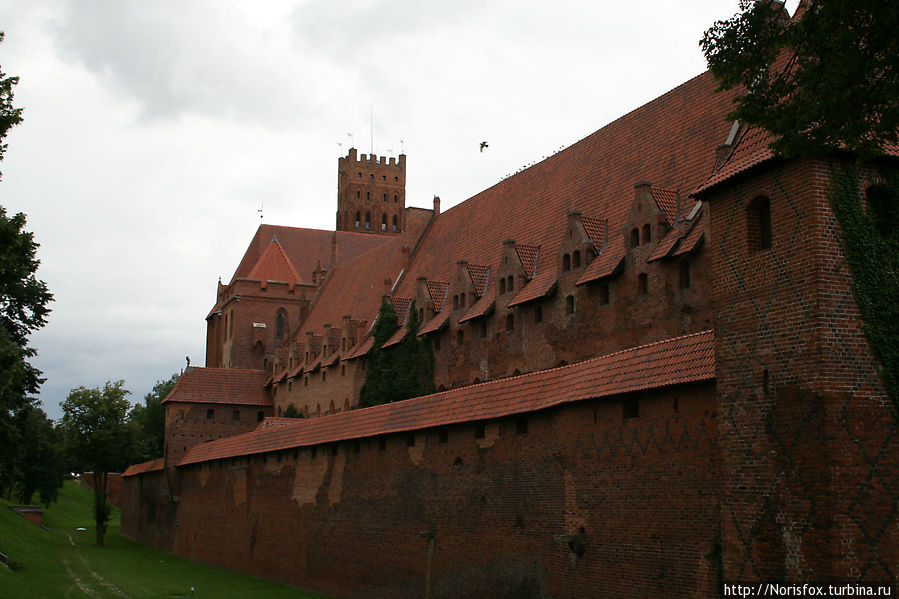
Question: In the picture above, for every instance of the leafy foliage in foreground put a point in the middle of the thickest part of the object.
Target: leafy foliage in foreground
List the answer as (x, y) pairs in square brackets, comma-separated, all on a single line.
[(828, 79)]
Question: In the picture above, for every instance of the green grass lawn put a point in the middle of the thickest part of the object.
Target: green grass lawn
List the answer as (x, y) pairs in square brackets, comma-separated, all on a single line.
[(61, 562)]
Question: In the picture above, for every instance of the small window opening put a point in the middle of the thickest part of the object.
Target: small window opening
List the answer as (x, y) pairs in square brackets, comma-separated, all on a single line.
[(642, 283), (569, 305), (603, 293), (210, 414), (759, 224), (566, 262), (502, 286), (480, 430), (521, 425), (883, 208), (461, 300), (630, 408), (684, 274), (510, 322), (510, 285), (635, 238), (368, 220), (647, 234), (455, 302), (357, 219), (575, 259), (394, 223)]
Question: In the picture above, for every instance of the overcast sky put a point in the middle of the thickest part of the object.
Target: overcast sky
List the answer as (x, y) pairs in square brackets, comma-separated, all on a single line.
[(154, 132)]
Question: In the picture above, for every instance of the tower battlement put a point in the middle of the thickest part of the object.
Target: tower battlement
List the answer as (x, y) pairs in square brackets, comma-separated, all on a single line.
[(371, 193)]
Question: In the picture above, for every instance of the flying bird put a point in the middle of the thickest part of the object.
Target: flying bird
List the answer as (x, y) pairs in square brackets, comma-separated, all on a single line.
[(484, 145)]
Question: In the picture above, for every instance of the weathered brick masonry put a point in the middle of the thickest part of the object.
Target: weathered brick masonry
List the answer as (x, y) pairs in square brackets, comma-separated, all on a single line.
[(699, 402)]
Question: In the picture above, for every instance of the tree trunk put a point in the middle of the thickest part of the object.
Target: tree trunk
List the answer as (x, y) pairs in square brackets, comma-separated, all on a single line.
[(101, 505)]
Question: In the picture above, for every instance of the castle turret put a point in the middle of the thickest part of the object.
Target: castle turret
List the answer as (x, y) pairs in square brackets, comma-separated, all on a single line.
[(371, 193)]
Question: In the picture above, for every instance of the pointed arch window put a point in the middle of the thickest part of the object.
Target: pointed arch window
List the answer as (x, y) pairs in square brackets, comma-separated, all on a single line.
[(576, 259), (647, 234), (383, 222), (394, 222), (358, 219), (635, 238), (368, 220), (510, 284), (280, 324)]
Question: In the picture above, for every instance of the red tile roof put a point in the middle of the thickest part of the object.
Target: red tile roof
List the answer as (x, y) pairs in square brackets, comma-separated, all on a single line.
[(274, 422), (332, 359), (670, 141), (356, 288), (540, 286), (306, 248), (604, 265), (681, 360), (435, 324), (401, 307), (221, 385), (527, 255), (669, 241), (362, 348), (482, 307), (693, 238), (667, 201), (397, 336), (437, 290), (274, 265), (280, 377), (480, 276), (596, 229), (144, 467)]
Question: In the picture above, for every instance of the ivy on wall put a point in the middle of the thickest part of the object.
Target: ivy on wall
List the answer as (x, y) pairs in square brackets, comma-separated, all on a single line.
[(402, 371), (871, 246)]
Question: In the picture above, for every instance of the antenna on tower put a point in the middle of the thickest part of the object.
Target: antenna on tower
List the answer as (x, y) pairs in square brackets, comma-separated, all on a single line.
[(261, 206), (371, 129), (352, 143), (402, 147)]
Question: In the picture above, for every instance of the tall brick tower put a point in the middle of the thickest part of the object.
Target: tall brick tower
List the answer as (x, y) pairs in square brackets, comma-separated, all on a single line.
[(371, 193)]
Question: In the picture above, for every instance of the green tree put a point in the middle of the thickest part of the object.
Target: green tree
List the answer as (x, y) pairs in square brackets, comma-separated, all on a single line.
[(40, 461), (100, 438), (400, 372), (292, 412), (825, 80), (10, 116), (150, 415), (829, 79), (23, 309)]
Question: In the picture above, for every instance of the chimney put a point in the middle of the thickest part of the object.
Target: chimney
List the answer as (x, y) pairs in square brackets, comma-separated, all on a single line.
[(436, 205)]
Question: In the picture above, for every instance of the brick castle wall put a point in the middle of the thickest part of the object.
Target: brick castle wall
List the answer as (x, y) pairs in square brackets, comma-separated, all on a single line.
[(348, 518), (809, 446)]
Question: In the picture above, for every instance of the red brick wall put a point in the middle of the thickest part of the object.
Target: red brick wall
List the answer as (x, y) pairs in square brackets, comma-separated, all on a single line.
[(149, 510), (348, 522), (113, 486), (186, 424), (809, 446)]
